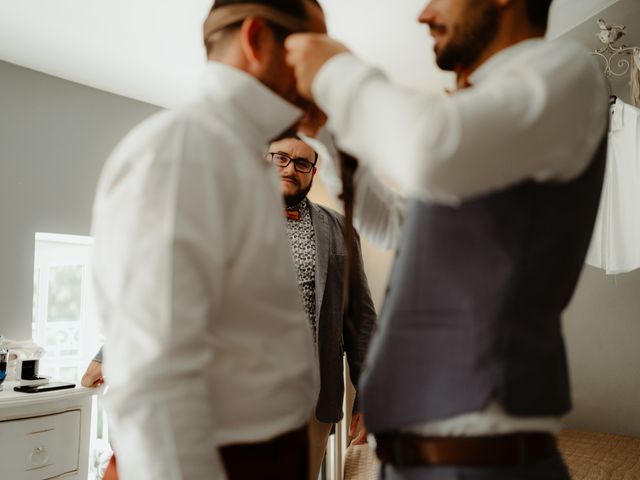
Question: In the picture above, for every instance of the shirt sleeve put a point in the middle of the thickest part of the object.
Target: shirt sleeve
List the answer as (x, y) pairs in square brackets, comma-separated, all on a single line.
[(378, 210), (159, 279), (361, 319), (98, 356), (531, 120)]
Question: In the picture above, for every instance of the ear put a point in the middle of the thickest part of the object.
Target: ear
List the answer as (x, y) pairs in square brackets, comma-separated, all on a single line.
[(253, 34), (313, 172)]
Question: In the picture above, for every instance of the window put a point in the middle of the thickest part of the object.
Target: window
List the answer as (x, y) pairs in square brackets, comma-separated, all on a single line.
[(63, 319), (65, 324)]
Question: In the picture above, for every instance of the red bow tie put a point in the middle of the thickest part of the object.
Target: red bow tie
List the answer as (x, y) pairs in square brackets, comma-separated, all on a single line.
[(293, 214)]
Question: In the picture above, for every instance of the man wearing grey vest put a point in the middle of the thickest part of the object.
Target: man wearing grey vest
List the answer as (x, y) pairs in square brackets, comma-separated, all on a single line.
[(466, 376)]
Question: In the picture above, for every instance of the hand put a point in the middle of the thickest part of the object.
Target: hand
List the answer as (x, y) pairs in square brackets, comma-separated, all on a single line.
[(357, 425), (306, 54), (312, 121), (93, 376)]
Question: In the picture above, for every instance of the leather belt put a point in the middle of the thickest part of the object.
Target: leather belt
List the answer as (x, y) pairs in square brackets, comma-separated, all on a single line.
[(285, 457), (404, 449)]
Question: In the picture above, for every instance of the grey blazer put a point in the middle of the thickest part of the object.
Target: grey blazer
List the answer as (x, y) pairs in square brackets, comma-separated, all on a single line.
[(338, 335)]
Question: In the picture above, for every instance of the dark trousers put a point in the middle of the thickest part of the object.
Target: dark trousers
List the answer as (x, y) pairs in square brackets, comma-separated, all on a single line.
[(285, 457), (550, 469)]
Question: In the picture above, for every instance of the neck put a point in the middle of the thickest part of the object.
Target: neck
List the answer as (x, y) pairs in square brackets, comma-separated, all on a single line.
[(294, 201), (509, 34)]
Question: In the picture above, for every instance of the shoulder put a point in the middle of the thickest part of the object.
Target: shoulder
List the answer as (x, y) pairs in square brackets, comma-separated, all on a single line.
[(168, 142), (549, 50), (334, 220), (184, 135), (175, 127), (566, 59), (330, 214), (566, 81)]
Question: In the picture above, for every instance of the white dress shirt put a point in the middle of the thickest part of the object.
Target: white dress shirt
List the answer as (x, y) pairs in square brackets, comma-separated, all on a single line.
[(615, 246), (537, 111), (206, 340)]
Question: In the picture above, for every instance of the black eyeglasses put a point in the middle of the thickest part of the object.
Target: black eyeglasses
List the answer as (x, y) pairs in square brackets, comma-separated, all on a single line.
[(283, 160)]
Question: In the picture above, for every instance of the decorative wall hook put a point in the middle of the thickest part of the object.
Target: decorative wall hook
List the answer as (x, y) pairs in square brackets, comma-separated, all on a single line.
[(615, 62)]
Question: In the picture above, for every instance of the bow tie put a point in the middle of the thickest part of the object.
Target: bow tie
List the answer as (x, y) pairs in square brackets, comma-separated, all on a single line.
[(293, 215)]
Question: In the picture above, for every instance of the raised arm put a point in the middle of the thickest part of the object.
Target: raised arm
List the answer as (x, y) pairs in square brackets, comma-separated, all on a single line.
[(441, 149), (378, 210)]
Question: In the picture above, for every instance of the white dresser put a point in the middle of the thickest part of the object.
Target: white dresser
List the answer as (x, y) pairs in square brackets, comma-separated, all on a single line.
[(44, 435)]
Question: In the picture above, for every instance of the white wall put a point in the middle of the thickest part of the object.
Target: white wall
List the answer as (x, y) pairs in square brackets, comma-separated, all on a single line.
[(54, 137)]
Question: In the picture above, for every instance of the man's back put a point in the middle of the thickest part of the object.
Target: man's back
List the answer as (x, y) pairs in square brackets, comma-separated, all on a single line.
[(206, 336)]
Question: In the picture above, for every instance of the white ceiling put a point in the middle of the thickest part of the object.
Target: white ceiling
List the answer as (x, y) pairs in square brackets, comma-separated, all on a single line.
[(151, 50)]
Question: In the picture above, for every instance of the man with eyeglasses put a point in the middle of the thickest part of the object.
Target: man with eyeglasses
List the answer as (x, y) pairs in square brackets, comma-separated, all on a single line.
[(207, 350), (316, 237)]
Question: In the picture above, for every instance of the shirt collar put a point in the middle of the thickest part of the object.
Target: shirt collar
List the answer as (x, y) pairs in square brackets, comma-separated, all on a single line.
[(501, 58), (252, 102)]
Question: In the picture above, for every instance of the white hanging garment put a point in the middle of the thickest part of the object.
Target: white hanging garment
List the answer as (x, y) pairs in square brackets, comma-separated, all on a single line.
[(635, 78), (615, 246)]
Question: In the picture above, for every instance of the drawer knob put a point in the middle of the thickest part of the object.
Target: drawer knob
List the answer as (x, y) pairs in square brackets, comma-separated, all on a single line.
[(39, 456)]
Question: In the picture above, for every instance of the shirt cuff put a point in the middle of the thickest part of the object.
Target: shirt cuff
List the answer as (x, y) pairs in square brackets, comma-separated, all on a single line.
[(334, 83)]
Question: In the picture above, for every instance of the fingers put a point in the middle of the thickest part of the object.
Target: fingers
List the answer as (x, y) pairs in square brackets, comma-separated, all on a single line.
[(93, 376), (353, 425), (91, 381), (357, 425), (361, 439)]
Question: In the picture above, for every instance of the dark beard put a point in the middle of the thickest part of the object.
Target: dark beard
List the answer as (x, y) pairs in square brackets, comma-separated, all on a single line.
[(470, 37), (293, 200)]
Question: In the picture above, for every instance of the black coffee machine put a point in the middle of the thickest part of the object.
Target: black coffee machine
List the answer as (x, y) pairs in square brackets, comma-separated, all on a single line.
[(29, 374)]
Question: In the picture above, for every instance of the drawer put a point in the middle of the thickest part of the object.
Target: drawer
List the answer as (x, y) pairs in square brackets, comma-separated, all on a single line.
[(40, 448)]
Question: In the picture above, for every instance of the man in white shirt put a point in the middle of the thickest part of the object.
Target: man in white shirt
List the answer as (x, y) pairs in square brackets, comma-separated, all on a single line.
[(206, 343), (466, 375)]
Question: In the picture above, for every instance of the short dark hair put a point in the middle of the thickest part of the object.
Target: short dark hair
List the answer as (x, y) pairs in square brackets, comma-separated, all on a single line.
[(292, 7), (538, 12)]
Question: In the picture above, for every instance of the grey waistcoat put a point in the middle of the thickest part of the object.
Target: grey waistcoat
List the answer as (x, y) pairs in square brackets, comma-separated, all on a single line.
[(474, 305)]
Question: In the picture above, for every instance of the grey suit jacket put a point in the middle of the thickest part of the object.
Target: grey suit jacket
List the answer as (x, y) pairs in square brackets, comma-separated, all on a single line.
[(338, 335)]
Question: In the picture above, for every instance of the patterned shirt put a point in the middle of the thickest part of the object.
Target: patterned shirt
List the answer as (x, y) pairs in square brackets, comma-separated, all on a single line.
[(302, 239)]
